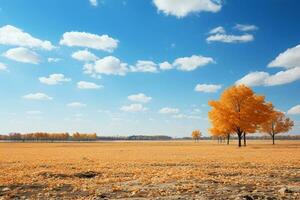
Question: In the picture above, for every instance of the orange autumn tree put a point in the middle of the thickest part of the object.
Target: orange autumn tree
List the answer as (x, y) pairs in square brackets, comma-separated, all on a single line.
[(196, 134), (239, 111), (277, 123), (220, 132)]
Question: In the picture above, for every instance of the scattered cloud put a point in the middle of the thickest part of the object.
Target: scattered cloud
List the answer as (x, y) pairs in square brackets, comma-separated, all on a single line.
[(183, 116), (54, 79), (294, 110), (140, 97), (34, 112), (168, 110), (3, 67), (37, 96), (192, 63), (108, 65), (288, 59), (266, 79), (245, 27), (89, 40), (230, 38), (181, 8), (94, 2), (53, 60), (84, 55), (165, 66), (207, 88), (21, 54), (144, 66), (88, 85), (133, 108), (10, 35), (76, 105), (218, 29)]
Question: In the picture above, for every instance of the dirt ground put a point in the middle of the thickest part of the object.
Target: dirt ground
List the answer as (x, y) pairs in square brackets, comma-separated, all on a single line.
[(150, 170)]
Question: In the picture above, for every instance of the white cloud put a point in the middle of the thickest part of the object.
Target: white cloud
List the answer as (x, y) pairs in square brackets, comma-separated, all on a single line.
[(230, 38), (294, 110), (37, 96), (181, 8), (165, 66), (254, 79), (94, 2), (88, 85), (288, 59), (183, 116), (108, 65), (218, 29), (89, 40), (3, 67), (54, 79), (34, 112), (76, 105), (10, 35), (245, 27), (133, 108), (23, 55), (84, 55), (142, 98), (144, 66), (168, 110), (192, 63), (265, 79), (207, 88), (53, 60)]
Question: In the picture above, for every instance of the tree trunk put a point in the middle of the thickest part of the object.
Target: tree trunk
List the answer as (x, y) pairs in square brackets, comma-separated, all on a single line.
[(240, 138), (273, 137), (244, 138), (228, 137)]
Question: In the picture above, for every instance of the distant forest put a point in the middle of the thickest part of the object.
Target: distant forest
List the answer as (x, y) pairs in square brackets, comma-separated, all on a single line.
[(51, 137)]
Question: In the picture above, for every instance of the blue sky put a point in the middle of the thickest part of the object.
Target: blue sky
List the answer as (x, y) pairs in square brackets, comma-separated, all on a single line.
[(141, 67)]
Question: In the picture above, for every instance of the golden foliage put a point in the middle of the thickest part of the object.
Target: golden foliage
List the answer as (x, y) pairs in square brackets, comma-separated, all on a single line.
[(196, 134)]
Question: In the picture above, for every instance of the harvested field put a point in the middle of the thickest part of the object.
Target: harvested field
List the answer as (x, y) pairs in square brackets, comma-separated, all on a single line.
[(150, 170)]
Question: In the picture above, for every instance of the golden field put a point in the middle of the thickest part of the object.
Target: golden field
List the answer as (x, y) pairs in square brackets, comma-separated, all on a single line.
[(150, 170)]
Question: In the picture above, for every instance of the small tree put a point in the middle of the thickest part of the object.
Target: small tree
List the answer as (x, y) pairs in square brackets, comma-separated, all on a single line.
[(278, 123), (196, 134)]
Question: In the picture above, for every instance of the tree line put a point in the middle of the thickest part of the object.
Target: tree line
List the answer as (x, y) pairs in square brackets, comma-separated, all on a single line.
[(240, 112), (43, 136)]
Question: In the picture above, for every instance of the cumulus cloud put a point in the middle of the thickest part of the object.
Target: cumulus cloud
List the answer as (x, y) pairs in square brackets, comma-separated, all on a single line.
[(21, 54), (144, 66), (192, 63), (54, 79), (294, 110), (168, 110), (218, 29), (133, 108), (245, 27), (37, 96), (288, 59), (140, 97), (10, 35), (108, 65), (53, 60), (266, 79), (230, 38), (89, 40), (84, 55), (94, 2), (76, 105), (88, 85), (181, 8), (3, 67), (207, 88), (165, 66)]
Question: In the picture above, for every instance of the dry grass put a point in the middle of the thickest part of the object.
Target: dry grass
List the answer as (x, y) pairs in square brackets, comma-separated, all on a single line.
[(139, 170)]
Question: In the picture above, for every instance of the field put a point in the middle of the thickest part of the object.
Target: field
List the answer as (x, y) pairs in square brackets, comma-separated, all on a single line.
[(150, 170)]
